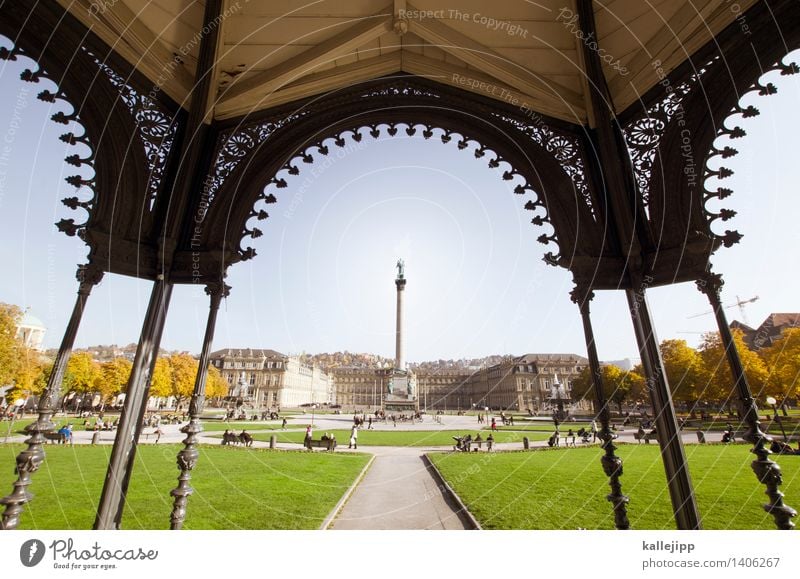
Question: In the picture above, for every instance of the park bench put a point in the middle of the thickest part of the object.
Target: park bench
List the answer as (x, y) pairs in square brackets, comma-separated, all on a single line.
[(619, 424), (147, 435), (55, 437), (641, 435), (328, 444)]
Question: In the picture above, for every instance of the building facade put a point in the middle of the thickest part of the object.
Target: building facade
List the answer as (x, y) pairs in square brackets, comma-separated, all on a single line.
[(522, 383), (533, 382), (360, 387), (31, 331), (272, 379)]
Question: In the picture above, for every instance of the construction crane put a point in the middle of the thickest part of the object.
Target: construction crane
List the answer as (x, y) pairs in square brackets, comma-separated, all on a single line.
[(740, 303)]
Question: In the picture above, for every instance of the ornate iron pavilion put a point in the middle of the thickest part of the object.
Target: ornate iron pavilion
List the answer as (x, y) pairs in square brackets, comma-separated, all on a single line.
[(611, 123)]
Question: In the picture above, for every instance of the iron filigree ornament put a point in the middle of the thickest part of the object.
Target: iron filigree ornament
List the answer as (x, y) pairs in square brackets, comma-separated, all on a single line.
[(155, 127), (722, 149), (85, 185), (233, 148)]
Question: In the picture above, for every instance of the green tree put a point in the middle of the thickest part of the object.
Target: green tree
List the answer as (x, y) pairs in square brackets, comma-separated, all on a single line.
[(783, 362), (716, 371)]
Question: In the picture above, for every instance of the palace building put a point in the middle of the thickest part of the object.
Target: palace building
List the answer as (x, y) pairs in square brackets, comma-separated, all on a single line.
[(535, 382), (521, 383), (272, 379)]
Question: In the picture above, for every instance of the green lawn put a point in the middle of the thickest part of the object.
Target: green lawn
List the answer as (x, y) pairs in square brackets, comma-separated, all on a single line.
[(397, 438), (566, 488), (235, 488)]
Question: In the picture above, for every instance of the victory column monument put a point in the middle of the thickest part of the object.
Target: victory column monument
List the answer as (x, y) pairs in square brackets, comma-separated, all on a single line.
[(401, 391)]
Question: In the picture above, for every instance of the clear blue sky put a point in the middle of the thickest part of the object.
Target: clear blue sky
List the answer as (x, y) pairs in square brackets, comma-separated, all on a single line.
[(323, 279)]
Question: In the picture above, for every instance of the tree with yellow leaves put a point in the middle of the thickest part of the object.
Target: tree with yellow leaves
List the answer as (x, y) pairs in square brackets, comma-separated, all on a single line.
[(216, 385), (183, 371), (684, 369), (716, 372), (174, 377), (618, 385), (82, 373), (783, 361), (160, 382), (10, 316), (113, 378)]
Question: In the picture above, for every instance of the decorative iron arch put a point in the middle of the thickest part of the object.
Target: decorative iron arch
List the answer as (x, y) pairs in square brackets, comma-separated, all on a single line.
[(130, 136), (705, 105), (85, 186), (252, 164)]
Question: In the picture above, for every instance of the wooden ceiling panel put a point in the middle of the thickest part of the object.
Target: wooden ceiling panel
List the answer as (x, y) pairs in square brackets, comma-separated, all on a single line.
[(306, 31), (542, 61), (257, 56), (274, 50), (527, 34), (615, 15), (324, 8), (174, 25), (540, 10)]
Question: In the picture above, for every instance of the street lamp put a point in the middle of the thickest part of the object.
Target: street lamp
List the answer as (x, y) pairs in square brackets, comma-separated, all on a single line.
[(772, 402)]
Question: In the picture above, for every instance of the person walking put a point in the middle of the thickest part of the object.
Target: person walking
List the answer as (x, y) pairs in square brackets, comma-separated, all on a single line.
[(309, 437), (283, 424), (594, 431), (354, 437)]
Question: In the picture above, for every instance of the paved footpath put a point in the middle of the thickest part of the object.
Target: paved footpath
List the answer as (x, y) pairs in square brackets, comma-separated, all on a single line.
[(399, 492)]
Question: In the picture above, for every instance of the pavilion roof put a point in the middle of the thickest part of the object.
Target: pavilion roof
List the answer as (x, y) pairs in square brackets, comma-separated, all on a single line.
[(272, 52)]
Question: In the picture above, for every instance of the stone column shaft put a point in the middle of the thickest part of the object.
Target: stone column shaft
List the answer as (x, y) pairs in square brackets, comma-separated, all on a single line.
[(400, 360)]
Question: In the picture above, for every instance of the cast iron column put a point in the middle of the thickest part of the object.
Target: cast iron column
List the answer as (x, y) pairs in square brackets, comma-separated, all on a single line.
[(612, 464), (767, 471), (187, 458), (30, 459), (681, 491), (112, 499)]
